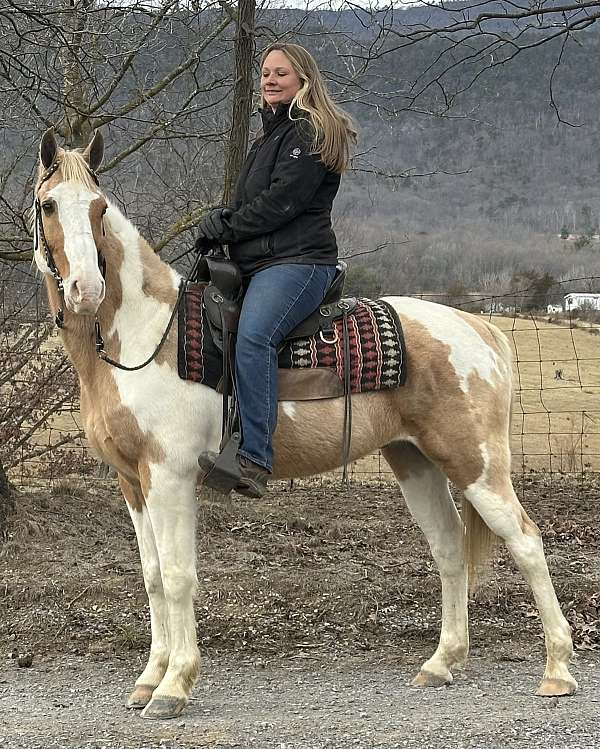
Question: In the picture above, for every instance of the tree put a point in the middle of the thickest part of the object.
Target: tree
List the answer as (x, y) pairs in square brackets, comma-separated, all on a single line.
[(534, 287), (362, 281), (7, 501), (152, 70), (587, 223)]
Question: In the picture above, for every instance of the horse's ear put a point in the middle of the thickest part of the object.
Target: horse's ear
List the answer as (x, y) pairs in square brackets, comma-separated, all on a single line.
[(48, 148), (95, 151)]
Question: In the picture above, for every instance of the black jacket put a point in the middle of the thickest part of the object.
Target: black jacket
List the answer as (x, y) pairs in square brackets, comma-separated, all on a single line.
[(283, 199)]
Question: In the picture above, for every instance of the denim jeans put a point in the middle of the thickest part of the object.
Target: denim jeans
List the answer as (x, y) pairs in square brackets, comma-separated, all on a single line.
[(277, 300)]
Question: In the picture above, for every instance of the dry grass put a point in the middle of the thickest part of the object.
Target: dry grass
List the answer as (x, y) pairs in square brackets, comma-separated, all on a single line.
[(556, 414), (301, 570)]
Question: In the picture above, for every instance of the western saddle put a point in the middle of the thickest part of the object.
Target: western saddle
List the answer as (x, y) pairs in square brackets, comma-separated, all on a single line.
[(223, 297)]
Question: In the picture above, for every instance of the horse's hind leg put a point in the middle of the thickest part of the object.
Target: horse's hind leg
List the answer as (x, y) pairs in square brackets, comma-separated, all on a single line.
[(428, 498), (498, 506), (158, 660)]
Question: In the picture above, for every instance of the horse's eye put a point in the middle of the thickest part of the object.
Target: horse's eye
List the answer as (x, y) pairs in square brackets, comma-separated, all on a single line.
[(48, 207)]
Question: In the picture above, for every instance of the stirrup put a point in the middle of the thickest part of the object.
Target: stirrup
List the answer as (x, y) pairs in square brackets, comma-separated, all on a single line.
[(222, 471)]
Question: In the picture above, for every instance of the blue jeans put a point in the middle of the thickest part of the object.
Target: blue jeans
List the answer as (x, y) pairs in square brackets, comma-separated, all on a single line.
[(277, 300)]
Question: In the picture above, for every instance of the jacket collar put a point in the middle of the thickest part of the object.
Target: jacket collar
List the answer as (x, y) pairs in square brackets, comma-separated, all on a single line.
[(270, 118)]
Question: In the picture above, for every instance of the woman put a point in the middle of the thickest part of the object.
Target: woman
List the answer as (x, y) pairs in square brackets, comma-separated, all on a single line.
[(279, 233)]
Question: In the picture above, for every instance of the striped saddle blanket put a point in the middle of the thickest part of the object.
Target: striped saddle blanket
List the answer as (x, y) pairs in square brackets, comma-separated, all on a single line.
[(309, 368)]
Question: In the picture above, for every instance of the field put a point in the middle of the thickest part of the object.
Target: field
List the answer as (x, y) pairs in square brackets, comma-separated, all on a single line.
[(556, 414)]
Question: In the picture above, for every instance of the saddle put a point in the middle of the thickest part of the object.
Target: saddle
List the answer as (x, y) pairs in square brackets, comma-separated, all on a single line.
[(346, 346), (223, 298)]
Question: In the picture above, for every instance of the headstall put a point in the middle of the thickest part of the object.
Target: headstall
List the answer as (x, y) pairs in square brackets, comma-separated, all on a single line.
[(39, 237), (59, 319)]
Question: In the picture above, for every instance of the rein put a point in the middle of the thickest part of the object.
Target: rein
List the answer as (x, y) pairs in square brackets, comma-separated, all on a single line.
[(59, 319), (100, 341)]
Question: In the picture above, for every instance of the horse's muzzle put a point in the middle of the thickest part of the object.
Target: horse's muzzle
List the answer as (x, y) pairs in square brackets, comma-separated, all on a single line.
[(84, 298)]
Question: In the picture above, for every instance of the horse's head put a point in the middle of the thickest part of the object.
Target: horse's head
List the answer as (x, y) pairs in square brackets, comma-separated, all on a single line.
[(68, 216)]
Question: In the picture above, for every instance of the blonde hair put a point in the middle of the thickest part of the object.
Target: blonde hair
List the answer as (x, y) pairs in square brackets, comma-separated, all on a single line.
[(334, 129)]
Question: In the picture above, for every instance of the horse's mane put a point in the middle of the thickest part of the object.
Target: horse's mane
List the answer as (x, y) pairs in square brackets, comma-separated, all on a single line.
[(73, 168)]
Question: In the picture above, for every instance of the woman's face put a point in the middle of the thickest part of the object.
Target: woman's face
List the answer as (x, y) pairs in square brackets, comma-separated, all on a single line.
[(278, 82)]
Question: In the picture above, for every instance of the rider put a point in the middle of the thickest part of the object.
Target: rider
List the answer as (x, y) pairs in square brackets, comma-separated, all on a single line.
[(279, 233)]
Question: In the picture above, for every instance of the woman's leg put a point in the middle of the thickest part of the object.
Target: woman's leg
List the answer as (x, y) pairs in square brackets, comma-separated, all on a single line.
[(277, 300)]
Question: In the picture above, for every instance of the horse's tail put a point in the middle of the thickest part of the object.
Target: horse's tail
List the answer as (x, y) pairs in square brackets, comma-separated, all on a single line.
[(479, 539)]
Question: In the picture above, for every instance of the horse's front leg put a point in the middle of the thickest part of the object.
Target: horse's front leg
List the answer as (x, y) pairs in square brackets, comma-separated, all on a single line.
[(171, 505), (158, 661)]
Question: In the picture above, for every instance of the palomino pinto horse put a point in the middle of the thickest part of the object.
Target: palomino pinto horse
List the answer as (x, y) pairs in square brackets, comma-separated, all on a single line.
[(450, 422)]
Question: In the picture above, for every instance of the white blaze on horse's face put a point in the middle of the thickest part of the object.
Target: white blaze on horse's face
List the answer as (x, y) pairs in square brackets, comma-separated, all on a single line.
[(79, 213)]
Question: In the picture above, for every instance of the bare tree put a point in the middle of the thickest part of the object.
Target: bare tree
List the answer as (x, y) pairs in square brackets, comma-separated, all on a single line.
[(242, 95)]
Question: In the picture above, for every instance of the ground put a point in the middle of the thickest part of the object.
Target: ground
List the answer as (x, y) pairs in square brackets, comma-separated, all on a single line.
[(316, 607)]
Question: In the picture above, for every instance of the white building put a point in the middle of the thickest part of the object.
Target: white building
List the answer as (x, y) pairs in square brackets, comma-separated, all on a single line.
[(576, 300)]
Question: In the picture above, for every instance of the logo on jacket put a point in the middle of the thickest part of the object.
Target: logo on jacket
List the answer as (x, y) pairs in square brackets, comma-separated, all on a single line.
[(295, 153)]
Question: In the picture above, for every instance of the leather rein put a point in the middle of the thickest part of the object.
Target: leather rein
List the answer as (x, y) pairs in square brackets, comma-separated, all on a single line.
[(59, 319)]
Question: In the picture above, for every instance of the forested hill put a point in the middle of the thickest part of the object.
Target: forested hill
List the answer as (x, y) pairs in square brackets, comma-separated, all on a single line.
[(505, 173), (465, 174)]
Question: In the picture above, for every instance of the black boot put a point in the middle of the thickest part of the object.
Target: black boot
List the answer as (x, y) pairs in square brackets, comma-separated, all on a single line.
[(238, 473), (253, 481)]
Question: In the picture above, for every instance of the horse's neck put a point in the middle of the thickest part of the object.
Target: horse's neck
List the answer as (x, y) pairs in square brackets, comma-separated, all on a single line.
[(140, 292), (138, 284)]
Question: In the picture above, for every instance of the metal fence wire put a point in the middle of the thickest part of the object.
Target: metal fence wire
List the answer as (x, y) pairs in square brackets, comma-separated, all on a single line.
[(556, 410)]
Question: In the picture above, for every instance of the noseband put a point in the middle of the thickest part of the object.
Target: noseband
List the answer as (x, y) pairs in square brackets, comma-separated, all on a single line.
[(40, 238)]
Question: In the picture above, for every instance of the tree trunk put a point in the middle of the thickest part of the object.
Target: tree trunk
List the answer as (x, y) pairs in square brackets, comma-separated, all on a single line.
[(76, 128), (242, 96), (7, 501)]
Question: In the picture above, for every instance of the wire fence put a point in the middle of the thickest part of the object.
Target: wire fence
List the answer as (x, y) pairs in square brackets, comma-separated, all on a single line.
[(556, 411)]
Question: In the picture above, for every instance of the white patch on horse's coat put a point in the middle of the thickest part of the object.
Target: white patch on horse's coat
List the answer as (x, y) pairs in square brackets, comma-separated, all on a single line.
[(468, 351), (289, 409), (182, 416), (73, 205)]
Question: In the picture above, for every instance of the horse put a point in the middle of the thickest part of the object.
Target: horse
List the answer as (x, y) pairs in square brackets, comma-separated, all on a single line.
[(450, 422)]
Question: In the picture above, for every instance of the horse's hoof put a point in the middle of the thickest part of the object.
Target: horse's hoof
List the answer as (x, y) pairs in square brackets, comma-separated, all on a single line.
[(557, 687), (140, 697), (164, 708), (427, 679)]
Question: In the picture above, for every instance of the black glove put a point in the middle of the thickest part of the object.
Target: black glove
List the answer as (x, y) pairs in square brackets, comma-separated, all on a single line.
[(212, 225), (203, 245)]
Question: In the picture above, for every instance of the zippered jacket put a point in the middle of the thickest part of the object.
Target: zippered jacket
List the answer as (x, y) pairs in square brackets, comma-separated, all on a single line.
[(283, 199)]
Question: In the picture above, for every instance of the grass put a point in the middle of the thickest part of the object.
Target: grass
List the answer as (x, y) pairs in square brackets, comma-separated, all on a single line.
[(556, 413)]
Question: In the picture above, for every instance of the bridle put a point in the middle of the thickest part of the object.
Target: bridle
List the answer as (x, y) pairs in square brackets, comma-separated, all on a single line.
[(40, 239), (59, 319)]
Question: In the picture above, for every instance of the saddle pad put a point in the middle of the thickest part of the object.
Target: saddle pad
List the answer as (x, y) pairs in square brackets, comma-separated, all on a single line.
[(377, 353), (377, 349)]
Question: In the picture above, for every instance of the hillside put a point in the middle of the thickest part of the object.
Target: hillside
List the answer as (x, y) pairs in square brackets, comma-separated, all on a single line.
[(502, 174)]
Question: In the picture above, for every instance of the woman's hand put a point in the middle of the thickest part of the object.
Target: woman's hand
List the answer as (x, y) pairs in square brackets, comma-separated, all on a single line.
[(212, 225)]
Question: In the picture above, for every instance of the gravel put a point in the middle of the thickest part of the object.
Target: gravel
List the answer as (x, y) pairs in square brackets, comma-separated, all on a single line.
[(301, 703)]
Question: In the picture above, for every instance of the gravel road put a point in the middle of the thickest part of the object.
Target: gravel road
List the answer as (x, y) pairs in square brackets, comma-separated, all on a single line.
[(302, 703)]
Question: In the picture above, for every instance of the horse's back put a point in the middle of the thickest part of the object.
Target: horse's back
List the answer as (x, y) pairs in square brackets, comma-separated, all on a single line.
[(444, 337)]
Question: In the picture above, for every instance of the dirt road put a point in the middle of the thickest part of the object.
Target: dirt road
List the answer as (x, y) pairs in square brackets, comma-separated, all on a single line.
[(304, 703)]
